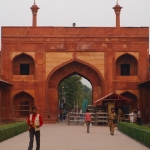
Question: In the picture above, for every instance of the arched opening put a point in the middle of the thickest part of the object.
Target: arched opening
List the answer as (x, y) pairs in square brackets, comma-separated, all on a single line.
[(131, 97), (22, 105), (74, 93), (23, 65), (60, 73), (126, 65)]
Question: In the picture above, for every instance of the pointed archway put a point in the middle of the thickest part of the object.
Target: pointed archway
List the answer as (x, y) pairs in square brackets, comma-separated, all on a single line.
[(126, 65), (131, 97), (22, 104), (23, 64), (61, 72)]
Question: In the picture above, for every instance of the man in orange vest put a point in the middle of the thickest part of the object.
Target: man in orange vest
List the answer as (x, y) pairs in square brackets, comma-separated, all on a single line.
[(35, 122)]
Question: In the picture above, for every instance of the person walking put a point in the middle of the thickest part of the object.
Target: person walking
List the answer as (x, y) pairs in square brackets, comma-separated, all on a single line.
[(111, 120), (88, 120), (34, 122)]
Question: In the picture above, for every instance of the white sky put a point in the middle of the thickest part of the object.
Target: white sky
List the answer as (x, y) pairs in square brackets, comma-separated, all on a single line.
[(82, 12), (86, 82)]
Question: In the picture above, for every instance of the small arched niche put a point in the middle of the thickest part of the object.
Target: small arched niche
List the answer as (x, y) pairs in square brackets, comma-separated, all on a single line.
[(23, 65), (131, 97), (22, 104), (126, 65)]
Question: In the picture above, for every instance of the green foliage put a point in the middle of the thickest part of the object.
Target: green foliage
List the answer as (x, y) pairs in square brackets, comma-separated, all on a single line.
[(11, 130), (74, 91), (139, 133), (87, 94)]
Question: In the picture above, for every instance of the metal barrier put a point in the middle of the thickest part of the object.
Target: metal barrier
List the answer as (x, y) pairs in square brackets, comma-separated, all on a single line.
[(99, 118), (79, 117)]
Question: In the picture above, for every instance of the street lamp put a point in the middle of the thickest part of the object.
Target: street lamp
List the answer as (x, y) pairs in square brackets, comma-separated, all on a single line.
[(63, 104)]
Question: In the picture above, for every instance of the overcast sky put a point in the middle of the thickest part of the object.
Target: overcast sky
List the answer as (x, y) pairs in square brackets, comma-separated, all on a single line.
[(82, 12)]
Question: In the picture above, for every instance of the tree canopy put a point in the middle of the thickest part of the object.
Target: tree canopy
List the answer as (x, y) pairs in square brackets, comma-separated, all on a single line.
[(73, 92)]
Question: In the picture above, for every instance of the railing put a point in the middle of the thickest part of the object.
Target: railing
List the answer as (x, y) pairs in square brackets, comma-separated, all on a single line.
[(17, 108), (100, 117), (79, 117)]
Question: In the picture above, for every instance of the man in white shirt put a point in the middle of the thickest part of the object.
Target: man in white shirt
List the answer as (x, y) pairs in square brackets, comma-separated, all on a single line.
[(131, 116)]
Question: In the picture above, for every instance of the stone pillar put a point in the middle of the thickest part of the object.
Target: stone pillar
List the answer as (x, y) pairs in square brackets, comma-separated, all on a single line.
[(34, 10), (117, 8)]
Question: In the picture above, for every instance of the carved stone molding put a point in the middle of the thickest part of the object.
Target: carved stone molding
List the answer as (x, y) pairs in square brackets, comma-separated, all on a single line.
[(67, 31)]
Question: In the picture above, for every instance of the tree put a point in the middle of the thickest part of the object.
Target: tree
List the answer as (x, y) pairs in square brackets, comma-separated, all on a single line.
[(87, 94), (73, 90)]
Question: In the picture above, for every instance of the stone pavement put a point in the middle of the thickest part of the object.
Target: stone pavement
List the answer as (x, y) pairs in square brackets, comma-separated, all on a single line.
[(63, 137)]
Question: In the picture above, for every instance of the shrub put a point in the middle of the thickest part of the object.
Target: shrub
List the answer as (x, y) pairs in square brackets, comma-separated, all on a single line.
[(11, 130), (139, 133)]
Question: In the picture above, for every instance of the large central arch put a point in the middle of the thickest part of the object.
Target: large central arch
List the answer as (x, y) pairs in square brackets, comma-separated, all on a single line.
[(59, 73)]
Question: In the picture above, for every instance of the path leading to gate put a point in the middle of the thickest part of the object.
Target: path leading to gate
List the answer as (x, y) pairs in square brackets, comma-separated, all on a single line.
[(63, 137)]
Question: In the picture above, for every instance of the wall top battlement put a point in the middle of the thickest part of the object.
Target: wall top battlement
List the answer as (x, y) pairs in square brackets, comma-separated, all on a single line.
[(75, 31)]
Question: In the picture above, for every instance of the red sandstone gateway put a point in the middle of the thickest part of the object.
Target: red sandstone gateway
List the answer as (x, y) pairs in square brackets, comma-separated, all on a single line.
[(36, 59)]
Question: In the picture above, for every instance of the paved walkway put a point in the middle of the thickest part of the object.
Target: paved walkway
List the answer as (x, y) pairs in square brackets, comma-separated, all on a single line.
[(63, 137)]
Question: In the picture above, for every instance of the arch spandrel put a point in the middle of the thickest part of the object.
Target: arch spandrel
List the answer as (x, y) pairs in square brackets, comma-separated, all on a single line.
[(15, 54), (67, 69), (76, 66), (29, 92), (53, 60), (134, 54)]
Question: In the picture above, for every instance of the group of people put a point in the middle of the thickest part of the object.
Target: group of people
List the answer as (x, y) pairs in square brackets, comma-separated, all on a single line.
[(35, 122), (111, 120), (135, 116), (112, 117)]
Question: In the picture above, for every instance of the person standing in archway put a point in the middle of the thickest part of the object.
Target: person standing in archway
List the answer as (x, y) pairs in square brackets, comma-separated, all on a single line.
[(35, 122), (88, 120), (131, 116), (111, 120)]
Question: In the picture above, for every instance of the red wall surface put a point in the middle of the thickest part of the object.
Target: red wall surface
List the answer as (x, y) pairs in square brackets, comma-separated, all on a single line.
[(57, 52)]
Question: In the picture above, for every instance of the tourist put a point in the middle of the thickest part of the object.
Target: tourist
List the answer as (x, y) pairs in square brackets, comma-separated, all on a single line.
[(111, 120), (131, 118), (88, 120), (35, 122), (138, 117)]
